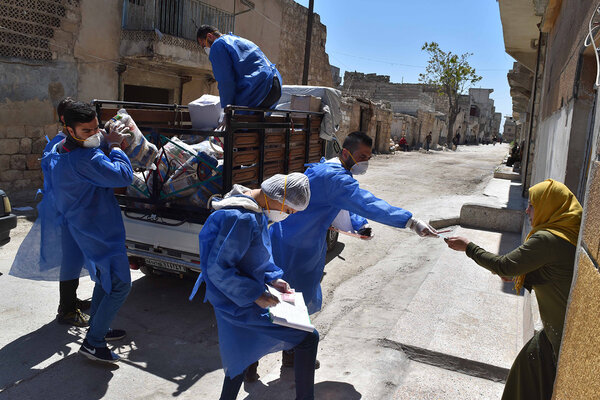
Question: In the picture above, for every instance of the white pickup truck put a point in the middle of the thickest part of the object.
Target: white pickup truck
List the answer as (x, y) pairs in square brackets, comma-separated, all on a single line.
[(163, 237)]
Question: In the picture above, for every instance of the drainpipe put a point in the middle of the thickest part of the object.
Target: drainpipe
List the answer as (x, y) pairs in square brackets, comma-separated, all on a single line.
[(532, 114), (120, 69)]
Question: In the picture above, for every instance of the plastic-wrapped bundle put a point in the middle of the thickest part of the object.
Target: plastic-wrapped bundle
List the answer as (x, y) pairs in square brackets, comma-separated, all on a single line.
[(138, 187), (201, 196), (185, 180), (140, 151)]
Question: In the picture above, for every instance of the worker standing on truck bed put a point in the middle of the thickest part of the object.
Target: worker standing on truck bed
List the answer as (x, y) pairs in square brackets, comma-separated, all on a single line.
[(79, 179), (236, 261), (298, 242), (245, 75)]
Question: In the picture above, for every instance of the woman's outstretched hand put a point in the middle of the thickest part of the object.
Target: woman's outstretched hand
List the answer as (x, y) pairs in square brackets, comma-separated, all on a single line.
[(457, 243)]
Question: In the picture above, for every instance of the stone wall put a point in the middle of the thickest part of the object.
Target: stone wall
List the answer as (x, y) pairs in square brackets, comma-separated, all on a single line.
[(405, 125), (291, 47), (379, 121), (79, 54), (31, 85)]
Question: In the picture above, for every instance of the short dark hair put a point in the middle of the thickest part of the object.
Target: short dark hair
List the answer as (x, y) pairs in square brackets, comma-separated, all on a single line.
[(60, 109), (78, 112), (205, 30), (355, 139)]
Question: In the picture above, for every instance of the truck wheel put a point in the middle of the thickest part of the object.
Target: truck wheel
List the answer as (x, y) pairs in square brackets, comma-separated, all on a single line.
[(149, 271), (331, 239)]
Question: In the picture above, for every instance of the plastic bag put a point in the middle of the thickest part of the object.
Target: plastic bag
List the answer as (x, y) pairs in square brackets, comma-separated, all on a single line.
[(185, 180), (140, 151)]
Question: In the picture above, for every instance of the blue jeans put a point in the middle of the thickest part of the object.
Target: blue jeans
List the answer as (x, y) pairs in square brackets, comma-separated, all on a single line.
[(305, 356), (104, 308)]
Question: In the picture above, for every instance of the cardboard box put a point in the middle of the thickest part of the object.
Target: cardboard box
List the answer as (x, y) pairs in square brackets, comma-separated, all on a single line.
[(205, 112), (305, 103)]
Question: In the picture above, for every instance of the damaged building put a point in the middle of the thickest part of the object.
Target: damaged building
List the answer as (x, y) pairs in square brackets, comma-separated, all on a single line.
[(419, 109), (137, 51)]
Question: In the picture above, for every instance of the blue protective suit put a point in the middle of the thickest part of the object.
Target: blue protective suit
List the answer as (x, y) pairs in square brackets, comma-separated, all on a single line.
[(79, 185), (71, 258), (243, 72), (235, 252), (298, 242)]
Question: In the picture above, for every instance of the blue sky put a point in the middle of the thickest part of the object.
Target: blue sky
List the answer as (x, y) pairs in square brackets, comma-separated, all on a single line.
[(386, 36)]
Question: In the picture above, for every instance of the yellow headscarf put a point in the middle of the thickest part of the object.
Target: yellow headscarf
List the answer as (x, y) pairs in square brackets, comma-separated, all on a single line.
[(556, 210)]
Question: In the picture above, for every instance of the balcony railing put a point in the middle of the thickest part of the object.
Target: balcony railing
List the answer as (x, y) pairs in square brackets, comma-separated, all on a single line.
[(179, 18)]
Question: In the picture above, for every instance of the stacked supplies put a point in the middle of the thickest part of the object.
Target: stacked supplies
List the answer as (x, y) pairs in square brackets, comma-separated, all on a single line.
[(140, 151), (187, 174)]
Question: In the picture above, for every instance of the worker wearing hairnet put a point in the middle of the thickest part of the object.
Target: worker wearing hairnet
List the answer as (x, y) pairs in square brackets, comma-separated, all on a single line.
[(236, 261), (299, 244), (79, 182), (244, 74)]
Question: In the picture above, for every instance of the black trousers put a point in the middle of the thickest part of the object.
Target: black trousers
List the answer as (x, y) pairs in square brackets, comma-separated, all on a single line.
[(68, 296), (273, 96)]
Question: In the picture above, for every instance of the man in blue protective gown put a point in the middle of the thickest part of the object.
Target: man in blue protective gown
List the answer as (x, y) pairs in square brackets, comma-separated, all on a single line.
[(236, 262), (69, 307), (299, 245), (81, 178), (244, 74)]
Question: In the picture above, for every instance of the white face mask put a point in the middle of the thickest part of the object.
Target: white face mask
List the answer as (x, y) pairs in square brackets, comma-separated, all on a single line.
[(207, 51), (359, 168), (93, 141), (275, 216)]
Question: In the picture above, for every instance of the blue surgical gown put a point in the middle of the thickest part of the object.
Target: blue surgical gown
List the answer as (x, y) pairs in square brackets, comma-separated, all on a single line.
[(235, 252), (298, 242), (71, 257), (60, 258), (243, 72), (80, 185)]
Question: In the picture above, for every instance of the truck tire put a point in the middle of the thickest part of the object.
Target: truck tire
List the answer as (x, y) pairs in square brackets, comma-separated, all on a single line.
[(331, 239), (148, 271)]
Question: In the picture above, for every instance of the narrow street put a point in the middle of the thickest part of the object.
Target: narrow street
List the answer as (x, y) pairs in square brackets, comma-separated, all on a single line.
[(171, 350)]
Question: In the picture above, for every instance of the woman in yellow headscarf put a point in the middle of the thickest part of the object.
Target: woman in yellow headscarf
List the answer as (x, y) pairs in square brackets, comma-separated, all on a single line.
[(543, 263)]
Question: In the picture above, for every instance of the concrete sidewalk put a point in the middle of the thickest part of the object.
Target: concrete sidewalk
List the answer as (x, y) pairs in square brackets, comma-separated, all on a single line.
[(464, 327)]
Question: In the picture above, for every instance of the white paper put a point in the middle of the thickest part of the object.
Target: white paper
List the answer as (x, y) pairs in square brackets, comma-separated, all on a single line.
[(293, 316)]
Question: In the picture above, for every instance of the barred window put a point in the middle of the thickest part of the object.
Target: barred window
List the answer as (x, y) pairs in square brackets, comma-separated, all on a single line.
[(27, 27)]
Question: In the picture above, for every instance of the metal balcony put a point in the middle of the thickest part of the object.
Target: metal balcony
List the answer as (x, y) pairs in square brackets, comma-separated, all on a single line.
[(180, 18)]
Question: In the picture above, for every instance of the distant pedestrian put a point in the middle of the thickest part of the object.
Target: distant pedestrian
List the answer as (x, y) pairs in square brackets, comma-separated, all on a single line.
[(543, 263), (428, 140), (403, 143)]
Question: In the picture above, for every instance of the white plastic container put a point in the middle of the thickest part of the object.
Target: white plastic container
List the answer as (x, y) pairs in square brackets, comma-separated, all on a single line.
[(205, 112)]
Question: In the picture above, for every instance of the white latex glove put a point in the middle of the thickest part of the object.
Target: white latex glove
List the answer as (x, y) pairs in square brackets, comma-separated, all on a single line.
[(421, 228), (116, 135)]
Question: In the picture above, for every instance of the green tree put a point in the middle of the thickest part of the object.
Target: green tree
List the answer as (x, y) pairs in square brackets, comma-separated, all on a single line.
[(452, 74)]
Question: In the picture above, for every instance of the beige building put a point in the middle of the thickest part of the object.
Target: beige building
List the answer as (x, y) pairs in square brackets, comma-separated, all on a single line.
[(554, 90), (132, 50)]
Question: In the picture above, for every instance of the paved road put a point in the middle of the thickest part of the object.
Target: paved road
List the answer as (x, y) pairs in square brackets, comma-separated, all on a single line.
[(171, 350)]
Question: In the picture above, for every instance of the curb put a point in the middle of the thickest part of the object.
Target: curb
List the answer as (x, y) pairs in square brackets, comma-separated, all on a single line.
[(491, 218)]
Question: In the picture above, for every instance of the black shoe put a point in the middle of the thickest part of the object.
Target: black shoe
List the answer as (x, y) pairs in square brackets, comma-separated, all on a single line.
[(84, 304), (102, 354), (115, 334), (75, 318), (287, 358), (250, 374)]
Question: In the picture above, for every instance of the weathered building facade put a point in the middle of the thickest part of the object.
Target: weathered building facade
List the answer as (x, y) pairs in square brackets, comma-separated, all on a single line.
[(375, 119), (476, 122), (554, 90), (142, 50)]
